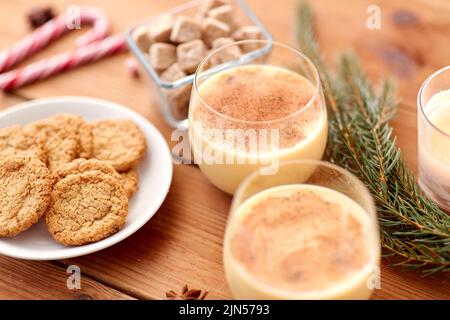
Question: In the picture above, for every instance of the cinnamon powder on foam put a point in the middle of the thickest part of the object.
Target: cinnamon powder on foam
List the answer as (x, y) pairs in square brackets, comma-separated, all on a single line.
[(298, 242), (259, 93)]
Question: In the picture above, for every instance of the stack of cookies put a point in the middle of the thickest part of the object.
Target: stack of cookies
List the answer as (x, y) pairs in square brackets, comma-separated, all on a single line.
[(175, 45), (77, 175)]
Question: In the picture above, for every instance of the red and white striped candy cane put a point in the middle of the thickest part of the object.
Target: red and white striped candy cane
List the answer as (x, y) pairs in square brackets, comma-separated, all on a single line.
[(63, 62), (51, 31), (91, 47)]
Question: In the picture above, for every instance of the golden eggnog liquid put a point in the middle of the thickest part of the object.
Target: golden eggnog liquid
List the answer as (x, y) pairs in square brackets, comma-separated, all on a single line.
[(272, 107), (300, 242)]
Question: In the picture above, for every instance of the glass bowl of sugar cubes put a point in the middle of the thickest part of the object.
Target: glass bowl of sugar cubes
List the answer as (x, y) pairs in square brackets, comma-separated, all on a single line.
[(171, 45)]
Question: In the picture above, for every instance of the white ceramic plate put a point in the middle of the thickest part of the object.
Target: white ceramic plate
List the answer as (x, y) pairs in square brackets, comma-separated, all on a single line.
[(155, 173)]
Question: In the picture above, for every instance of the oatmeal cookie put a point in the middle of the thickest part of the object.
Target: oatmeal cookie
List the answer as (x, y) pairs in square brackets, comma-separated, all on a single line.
[(82, 165), (25, 193), (81, 129), (130, 182), (61, 143), (86, 208), (119, 141), (16, 139)]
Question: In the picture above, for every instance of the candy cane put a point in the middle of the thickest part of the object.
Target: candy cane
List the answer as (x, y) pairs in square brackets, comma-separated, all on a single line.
[(91, 47), (62, 62), (51, 31)]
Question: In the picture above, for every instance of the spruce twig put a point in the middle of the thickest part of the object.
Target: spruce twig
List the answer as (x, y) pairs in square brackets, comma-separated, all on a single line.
[(413, 227)]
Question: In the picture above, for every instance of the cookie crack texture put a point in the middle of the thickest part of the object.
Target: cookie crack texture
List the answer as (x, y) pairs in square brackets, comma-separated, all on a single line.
[(81, 130), (120, 142), (17, 140), (86, 207), (66, 137), (25, 185), (60, 143), (82, 165)]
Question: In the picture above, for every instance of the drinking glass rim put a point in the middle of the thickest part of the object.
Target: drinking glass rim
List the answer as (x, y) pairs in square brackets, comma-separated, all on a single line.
[(421, 92), (271, 43), (361, 186)]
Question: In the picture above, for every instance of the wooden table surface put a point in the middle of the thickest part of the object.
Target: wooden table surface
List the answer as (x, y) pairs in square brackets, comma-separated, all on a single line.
[(182, 244)]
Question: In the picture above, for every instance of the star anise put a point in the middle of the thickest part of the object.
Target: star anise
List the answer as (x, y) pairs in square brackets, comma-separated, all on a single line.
[(187, 294)]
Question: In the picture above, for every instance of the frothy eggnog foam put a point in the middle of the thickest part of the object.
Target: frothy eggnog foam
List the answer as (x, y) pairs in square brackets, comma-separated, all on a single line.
[(259, 93), (298, 239)]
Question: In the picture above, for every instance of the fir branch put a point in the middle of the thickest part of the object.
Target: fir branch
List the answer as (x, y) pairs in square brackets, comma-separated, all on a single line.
[(413, 227)]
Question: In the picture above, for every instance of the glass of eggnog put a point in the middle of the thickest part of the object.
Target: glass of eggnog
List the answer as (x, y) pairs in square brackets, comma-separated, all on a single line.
[(434, 137), (308, 232), (255, 103)]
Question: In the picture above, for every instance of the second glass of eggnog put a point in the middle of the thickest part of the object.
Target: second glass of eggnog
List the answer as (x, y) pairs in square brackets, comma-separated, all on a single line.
[(307, 232), (250, 111), (434, 137)]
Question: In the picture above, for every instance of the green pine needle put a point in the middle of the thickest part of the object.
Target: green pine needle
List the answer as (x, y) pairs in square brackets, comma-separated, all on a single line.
[(413, 228)]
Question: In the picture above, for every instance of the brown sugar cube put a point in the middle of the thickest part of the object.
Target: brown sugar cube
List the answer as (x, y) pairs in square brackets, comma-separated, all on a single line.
[(211, 4), (185, 29), (179, 100), (141, 36), (161, 29), (190, 54), (162, 55), (172, 73), (230, 53), (223, 14), (213, 29), (248, 33)]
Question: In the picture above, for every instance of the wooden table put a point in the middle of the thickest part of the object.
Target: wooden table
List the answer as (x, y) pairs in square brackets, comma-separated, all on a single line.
[(182, 244)]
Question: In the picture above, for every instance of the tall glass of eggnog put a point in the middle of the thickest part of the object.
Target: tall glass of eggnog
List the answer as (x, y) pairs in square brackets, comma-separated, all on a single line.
[(434, 137), (254, 104), (308, 232)]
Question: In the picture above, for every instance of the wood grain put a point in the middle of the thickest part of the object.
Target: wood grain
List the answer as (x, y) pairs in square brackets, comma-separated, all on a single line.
[(182, 244), (8, 100), (44, 280)]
